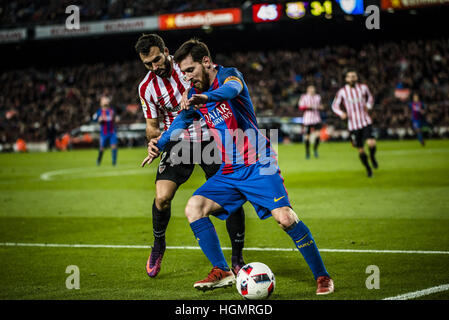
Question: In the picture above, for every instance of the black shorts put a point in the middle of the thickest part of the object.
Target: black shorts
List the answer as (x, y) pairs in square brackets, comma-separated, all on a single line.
[(311, 128), (178, 167), (359, 136)]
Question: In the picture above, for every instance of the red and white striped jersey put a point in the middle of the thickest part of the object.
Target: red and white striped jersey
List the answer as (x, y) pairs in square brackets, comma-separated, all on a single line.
[(162, 97), (310, 105), (357, 100)]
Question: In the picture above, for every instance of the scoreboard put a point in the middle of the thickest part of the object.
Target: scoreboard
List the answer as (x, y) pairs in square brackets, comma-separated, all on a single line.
[(297, 10)]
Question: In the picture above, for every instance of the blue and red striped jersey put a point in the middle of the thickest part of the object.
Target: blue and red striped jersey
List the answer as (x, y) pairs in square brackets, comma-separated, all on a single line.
[(105, 116), (417, 108), (229, 115)]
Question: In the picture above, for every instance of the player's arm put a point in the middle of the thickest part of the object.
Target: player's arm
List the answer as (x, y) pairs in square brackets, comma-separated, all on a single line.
[(182, 121), (302, 105), (336, 106), (96, 116), (370, 99), (152, 129), (231, 88)]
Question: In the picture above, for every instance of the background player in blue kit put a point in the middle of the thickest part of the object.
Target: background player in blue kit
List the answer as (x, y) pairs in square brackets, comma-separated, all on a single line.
[(417, 108), (249, 170), (108, 136)]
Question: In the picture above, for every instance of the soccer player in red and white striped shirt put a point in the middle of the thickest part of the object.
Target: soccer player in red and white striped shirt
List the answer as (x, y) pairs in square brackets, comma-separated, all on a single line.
[(310, 104), (357, 100), (161, 93)]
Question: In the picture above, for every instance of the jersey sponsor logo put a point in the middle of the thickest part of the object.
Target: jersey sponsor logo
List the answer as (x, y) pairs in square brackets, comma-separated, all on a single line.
[(218, 115)]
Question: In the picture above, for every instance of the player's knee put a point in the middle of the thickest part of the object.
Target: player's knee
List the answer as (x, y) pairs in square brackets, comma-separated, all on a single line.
[(163, 201), (194, 209), (284, 216)]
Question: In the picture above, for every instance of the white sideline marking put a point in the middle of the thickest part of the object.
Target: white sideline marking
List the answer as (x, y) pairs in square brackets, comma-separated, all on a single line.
[(417, 294), (92, 172), (118, 246)]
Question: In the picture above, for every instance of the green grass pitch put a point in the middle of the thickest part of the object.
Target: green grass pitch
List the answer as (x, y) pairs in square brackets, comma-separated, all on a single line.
[(64, 198)]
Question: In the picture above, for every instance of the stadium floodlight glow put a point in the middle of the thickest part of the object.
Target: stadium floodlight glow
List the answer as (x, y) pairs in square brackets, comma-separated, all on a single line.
[(351, 6)]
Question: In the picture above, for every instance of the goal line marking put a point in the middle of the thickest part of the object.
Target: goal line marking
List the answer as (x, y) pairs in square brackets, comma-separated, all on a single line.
[(112, 246)]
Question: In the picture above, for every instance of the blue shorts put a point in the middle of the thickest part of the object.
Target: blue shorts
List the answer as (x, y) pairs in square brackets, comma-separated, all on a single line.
[(108, 139), (264, 191), (417, 124)]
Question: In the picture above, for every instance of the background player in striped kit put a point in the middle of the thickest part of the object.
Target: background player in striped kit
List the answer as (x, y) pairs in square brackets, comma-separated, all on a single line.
[(357, 100), (310, 104), (161, 93), (417, 108), (108, 136)]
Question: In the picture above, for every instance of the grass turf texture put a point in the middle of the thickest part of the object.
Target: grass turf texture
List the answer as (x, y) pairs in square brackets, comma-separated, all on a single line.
[(64, 198)]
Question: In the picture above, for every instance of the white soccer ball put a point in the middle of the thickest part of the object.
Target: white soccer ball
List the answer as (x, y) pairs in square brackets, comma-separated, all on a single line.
[(255, 281)]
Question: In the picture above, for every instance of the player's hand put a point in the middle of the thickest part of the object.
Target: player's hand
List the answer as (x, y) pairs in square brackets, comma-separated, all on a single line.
[(197, 99), (152, 149), (153, 152), (343, 116), (148, 160)]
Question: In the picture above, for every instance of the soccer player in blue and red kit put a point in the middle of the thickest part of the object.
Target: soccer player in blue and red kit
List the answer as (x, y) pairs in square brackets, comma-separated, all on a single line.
[(417, 108), (108, 136), (249, 170)]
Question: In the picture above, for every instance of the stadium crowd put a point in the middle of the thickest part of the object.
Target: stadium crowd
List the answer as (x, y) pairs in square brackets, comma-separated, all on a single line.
[(34, 101), (43, 12)]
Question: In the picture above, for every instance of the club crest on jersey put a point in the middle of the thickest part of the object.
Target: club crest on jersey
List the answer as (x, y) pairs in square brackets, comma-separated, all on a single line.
[(161, 168)]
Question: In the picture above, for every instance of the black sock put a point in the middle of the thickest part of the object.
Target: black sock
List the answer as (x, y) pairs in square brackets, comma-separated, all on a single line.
[(317, 143), (364, 159), (160, 223), (235, 225), (307, 147), (100, 155), (372, 155)]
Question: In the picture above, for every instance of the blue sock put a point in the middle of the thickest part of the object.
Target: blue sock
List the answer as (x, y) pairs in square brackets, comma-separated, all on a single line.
[(114, 156), (100, 155), (420, 137), (205, 233), (306, 245)]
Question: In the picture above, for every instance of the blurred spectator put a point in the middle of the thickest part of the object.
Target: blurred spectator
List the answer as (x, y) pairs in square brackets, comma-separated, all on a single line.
[(44, 12)]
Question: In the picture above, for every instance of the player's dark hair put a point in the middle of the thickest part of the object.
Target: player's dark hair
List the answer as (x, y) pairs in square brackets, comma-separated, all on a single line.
[(346, 71), (193, 47), (146, 41)]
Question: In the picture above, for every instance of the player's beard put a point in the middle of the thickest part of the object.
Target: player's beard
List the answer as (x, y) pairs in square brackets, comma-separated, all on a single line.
[(204, 83), (166, 71)]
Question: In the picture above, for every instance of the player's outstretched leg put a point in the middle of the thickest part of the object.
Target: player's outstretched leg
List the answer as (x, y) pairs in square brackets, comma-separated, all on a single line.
[(307, 144), (114, 155), (420, 137), (100, 156), (197, 210), (372, 152), (364, 159), (302, 237), (160, 223), (235, 226), (315, 146)]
